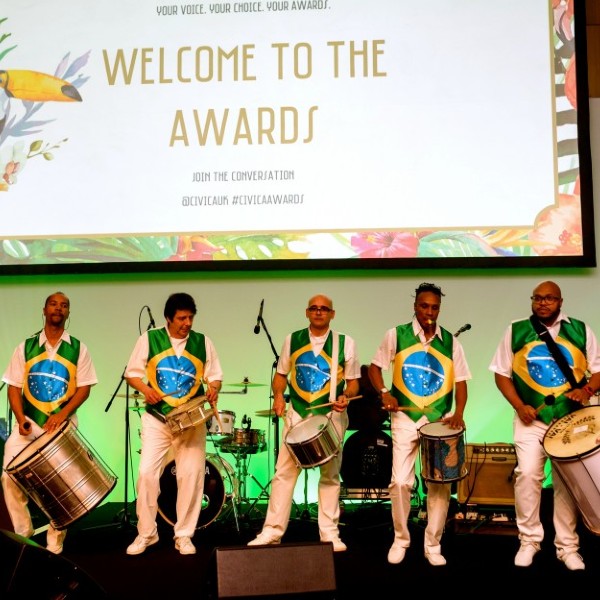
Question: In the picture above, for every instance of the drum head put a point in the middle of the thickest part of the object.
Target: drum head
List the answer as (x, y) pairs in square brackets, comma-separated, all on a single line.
[(31, 452), (437, 429), (213, 497), (367, 460), (306, 429), (576, 434)]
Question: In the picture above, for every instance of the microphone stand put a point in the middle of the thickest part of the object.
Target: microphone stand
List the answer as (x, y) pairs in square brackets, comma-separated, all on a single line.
[(275, 419), (125, 519)]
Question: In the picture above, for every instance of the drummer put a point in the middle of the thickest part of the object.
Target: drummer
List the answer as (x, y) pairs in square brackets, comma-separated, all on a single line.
[(429, 367), (41, 401), (176, 362), (539, 396), (306, 358)]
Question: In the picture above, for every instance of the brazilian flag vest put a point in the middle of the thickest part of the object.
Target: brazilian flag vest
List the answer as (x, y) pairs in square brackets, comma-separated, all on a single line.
[(180, 378), (423, 380), (49, 383), (536, 374), (310, 375)]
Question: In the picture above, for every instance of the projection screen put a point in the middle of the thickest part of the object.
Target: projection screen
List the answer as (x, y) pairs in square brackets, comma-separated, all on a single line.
[(293, 134)]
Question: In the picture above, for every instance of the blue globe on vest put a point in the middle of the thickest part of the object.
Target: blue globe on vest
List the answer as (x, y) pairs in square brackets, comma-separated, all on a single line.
[(543, 368), (423, 374), (175, 376), (48, 380)]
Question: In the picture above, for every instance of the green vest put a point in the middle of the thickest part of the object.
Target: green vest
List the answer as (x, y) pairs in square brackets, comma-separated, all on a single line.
[(48, 383), (423, 381), (179, 378), (535, 373), (310, 375)]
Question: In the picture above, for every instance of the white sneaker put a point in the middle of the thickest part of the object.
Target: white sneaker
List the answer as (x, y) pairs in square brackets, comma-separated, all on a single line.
[(527, 551), (141, 543), (264, 539), (184, 545), (396, 554), (435, 559), (338, 545), (573, 561)]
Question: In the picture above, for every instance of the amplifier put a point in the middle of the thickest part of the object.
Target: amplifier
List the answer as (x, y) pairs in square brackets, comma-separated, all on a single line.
[(490, 479)]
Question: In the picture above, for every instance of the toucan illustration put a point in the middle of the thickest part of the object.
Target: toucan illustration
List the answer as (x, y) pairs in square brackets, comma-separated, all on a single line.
[(37, 87)]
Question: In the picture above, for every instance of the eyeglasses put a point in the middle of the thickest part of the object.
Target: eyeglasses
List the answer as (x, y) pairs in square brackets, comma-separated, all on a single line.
[(323, 309), (546, 299)]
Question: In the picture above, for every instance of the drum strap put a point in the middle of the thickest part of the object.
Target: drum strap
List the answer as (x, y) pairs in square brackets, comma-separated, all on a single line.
[(335, 350), (558, 356)]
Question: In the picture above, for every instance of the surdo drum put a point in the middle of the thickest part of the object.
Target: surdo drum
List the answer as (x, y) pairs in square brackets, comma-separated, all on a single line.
[(313, 441), (572, 444), (442, 452), (62, 475)]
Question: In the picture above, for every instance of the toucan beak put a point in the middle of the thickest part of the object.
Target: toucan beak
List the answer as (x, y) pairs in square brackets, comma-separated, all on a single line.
[(37, 87)]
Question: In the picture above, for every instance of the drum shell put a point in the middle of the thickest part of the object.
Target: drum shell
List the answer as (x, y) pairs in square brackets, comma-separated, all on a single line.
[(190, 414), (572, 443), (61, 474), (313, 441), (442, 451), (220, 485), (227, 421)]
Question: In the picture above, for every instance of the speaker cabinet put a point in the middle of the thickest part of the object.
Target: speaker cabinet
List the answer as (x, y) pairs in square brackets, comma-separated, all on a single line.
[(27, 570), (491, 475), (276, 570)]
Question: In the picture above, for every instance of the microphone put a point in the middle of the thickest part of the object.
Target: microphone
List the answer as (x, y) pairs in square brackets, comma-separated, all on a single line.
[(465, 327), (152, 323), (259, 318)]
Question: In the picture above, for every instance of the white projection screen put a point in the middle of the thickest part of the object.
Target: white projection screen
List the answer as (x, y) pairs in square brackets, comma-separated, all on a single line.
[(293, 134)]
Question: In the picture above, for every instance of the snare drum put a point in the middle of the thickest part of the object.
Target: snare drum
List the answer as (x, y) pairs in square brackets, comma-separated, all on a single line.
[(220, 485), (190, 414), (62, 475), (227, 420), (313, 441), (442, 452), (572, 444)]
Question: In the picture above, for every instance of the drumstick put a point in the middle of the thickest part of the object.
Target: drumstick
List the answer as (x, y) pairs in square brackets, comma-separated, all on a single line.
[(332, 403)]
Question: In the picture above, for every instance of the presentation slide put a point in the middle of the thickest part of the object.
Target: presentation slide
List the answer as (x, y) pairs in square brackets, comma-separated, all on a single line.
[(144, 132)]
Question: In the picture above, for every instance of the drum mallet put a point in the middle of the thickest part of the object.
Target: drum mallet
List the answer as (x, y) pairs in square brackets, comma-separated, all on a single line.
[(548, 401)]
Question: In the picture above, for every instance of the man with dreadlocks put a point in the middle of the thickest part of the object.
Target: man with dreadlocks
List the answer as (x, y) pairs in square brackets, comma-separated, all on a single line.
[(429, 370)]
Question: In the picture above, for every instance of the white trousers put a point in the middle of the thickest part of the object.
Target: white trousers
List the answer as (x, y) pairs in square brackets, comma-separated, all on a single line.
[(286, 476), (188, 449), (405, 449), (14, 496), (529, 477)]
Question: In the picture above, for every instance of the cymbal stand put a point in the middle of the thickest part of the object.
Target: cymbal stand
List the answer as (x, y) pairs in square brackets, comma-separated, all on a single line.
[(242, 458)]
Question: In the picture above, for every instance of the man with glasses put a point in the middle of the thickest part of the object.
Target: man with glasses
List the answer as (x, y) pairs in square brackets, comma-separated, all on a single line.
[(429, 369), (532, 381), (315, 388)]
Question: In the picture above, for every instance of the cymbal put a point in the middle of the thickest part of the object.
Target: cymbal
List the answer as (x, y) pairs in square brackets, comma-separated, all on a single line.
[(130, 396), (265, 413), (246, 383)]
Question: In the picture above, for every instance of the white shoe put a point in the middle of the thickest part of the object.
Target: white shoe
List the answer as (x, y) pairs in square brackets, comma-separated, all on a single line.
[(338, 545), (527, 551), (141, 543), (264, 539), (573, 561), (184, 545), (435, 559), (396, 554)]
